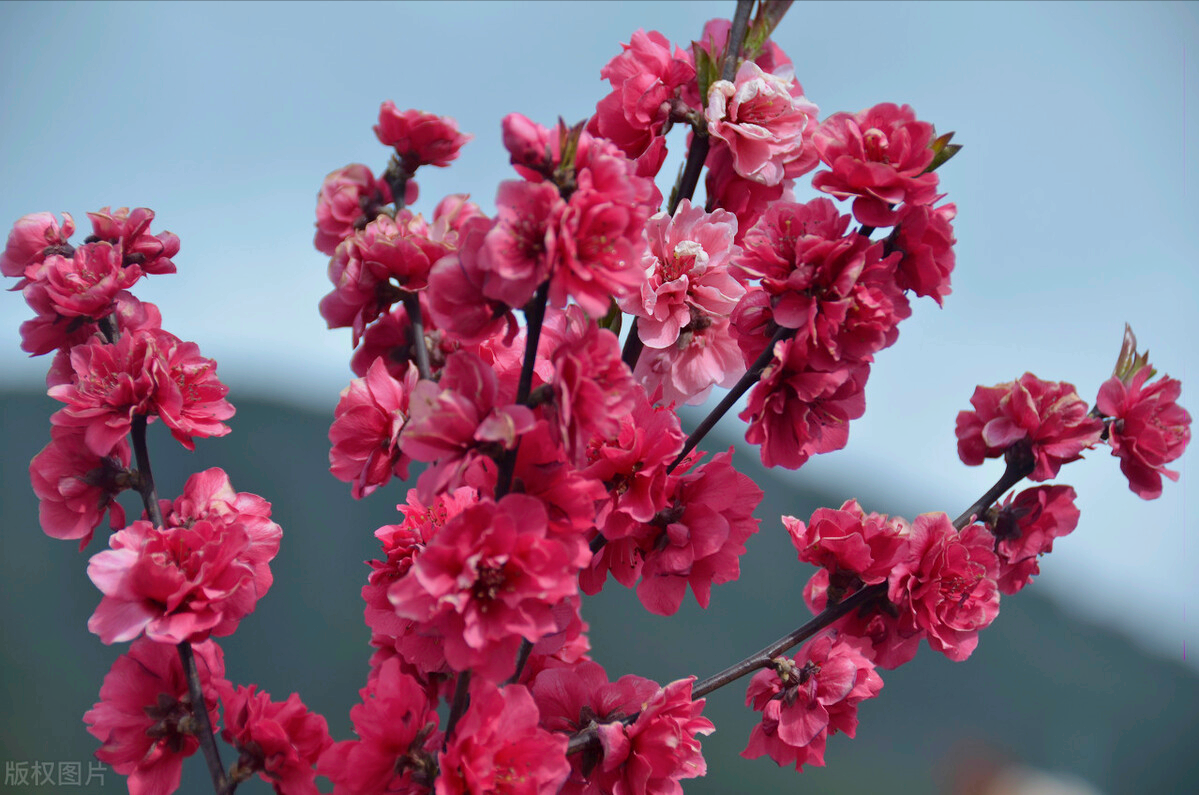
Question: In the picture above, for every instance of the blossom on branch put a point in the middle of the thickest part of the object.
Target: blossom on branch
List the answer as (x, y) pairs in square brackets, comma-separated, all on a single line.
[(75, 487), (419, 138), (1148, 429), (366, 429), (145, 716), (279, 740)]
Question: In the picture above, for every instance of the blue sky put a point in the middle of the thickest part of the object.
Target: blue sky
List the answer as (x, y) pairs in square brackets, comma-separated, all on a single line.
[(1076, 196)]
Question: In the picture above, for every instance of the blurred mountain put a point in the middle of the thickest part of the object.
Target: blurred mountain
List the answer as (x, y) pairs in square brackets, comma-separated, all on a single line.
[(1042, 689)]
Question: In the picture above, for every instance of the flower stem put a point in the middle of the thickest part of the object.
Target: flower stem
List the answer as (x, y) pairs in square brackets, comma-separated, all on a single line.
[(740, 388), (458, 706), (412, 307), (632, 346), (212, 755), (1020, 464), (145, 476)]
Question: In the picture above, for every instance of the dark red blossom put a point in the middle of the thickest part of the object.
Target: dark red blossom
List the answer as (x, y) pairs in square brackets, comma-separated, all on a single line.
[(1025, 526), (1048, 416), (946, 586), (499, 747), (144, 718), (805, 699), (878, 156), (419, 138), (855, 547), (1148, 429), (148, 372), (397, 740), (279, 740), (366, 429)]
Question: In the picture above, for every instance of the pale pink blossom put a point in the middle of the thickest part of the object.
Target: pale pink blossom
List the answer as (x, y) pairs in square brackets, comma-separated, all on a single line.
[(706, 354), (145, 709), (765, 121)]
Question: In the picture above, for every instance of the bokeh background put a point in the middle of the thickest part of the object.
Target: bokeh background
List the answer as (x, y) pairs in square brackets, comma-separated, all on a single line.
[(1077, 198)]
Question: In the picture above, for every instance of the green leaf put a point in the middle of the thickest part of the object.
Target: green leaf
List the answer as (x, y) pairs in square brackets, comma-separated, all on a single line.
[(942, 151), (707, 69), (769, 15), (613, 319)]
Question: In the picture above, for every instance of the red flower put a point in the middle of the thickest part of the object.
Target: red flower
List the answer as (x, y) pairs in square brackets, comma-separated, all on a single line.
[(498, 747), (857, 549), (947, 585), (349, 198), (200, 574), (1049, 416), (878, 155), (130, 230), (1025, 527), (489, 577), (30, 238), (75, 486), (143, 702), (147, 372), (397, 740), (366, 429), (280, 741), (420, 139), (805, 699), (1148, 429)]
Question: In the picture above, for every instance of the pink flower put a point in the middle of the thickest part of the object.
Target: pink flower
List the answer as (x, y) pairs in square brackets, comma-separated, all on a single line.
[(1148, 428), (744, 198), (349, 198), (455, 422), (75, 486), (279, 740), (765, 121), (705, 355), (402, 544), (199, 575), (887, 639), (397, 739), (144, 708), (372, 269), (366, 429), (489, 577), (856, 548), (1048, 416), (458, 282), (795, 412), (878, 155), (420, 139), (130, 231), (30, 238), (147, 372), (925, 236), (1025, 527), (806, 699), (498, 747), (520, 250), (700, 536), (646, 79), (660, 747), (86, 284), (947, 585), (50, 330), (688, 265), (592, 388)]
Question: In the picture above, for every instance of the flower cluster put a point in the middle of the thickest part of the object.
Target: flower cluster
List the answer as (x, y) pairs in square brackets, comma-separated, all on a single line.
[(550, 454)]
